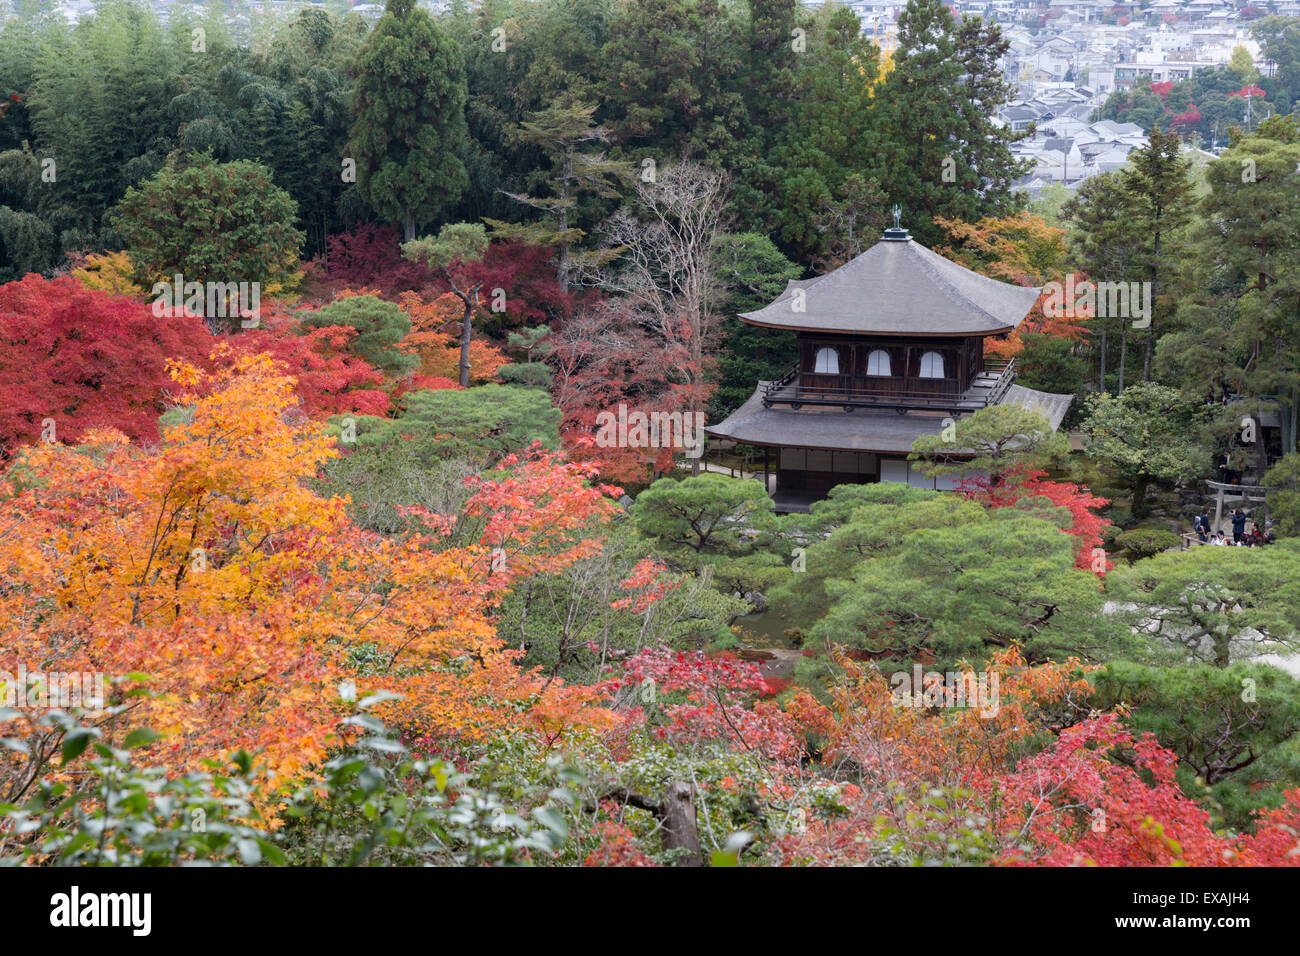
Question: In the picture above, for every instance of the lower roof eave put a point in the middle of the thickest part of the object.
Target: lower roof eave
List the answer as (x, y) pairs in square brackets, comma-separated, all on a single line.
[(878, 433), (712, 433)]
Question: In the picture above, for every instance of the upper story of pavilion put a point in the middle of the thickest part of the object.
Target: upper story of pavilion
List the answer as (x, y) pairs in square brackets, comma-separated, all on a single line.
[(897, 327)]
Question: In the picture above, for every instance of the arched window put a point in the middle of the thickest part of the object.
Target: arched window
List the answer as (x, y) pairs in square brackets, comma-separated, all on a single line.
[(827, 362), (878, 363), (931, 365)]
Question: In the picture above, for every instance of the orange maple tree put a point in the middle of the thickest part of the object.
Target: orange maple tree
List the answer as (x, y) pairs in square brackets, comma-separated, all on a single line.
[(439, 349), (209, 565), (1023, 249)]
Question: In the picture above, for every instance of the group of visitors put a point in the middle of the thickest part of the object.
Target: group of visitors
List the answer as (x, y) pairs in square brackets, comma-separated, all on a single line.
[(1240, 536)]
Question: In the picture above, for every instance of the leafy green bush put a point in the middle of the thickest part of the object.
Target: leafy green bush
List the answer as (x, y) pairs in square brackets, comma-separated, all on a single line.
[(1144, 542), (210, 222), (1234, 728), (1121, 515), (378, 806), (374, 804), (1283, 481), (122, 814)]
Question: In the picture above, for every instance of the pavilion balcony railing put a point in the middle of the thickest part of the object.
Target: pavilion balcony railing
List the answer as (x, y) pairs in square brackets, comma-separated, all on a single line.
[(797, 388)]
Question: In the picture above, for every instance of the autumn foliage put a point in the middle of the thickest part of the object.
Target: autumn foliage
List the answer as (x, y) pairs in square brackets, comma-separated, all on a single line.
[(230, 603), (1022, 249), (435, 338), (1085, 524), (210, 567), (1043, 781), (603, 357), (77, 359), (107, 272), (371, 255), (328, 379), (710, 699)]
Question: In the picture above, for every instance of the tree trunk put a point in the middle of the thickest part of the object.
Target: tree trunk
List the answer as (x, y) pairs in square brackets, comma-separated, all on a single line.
[(681, 832), (1123, 355), (408, 224), (1146, 354), (562, 266), (469, 299), (676, 813), (1261, 447), (1101, 384), (1140, 485), (466, 331), (1292, 412), (1155, 291)]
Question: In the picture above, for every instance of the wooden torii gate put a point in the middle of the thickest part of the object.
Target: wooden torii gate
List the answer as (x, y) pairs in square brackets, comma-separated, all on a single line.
[(1244, 492)]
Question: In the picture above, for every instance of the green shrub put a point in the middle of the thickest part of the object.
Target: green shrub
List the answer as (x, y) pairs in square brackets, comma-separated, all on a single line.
[(1144, 542), (1121, 515), (374, 804)]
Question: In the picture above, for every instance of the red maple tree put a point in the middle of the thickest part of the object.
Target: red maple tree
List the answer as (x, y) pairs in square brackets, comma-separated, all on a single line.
[(329, 380), (1086, 524), (82, 359)]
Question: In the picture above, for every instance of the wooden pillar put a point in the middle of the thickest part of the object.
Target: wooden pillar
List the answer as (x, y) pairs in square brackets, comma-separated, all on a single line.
[(766, 484), (1218, 509)]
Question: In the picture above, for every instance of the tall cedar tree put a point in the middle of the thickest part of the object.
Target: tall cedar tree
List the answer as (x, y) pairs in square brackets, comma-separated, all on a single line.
[(665, 80), (410, 129), (1254, 230), (1159, 188), (1106, 246), (825, 160), (938, 105)]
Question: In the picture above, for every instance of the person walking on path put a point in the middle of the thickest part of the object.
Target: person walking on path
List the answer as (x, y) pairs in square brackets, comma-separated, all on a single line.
[(1238, 527)]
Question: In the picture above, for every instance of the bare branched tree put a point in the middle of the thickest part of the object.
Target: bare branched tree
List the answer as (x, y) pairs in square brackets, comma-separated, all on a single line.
[(666, 270)]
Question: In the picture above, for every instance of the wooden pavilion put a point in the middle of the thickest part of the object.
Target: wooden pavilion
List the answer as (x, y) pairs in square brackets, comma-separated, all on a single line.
[(890, 345)]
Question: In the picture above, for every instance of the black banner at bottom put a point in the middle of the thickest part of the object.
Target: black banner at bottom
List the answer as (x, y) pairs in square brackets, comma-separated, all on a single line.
[(141, 908)]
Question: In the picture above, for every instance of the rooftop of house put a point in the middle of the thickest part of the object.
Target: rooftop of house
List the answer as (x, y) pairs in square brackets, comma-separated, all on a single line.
[(1018, 113), (898, 287), (1111, 128)]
